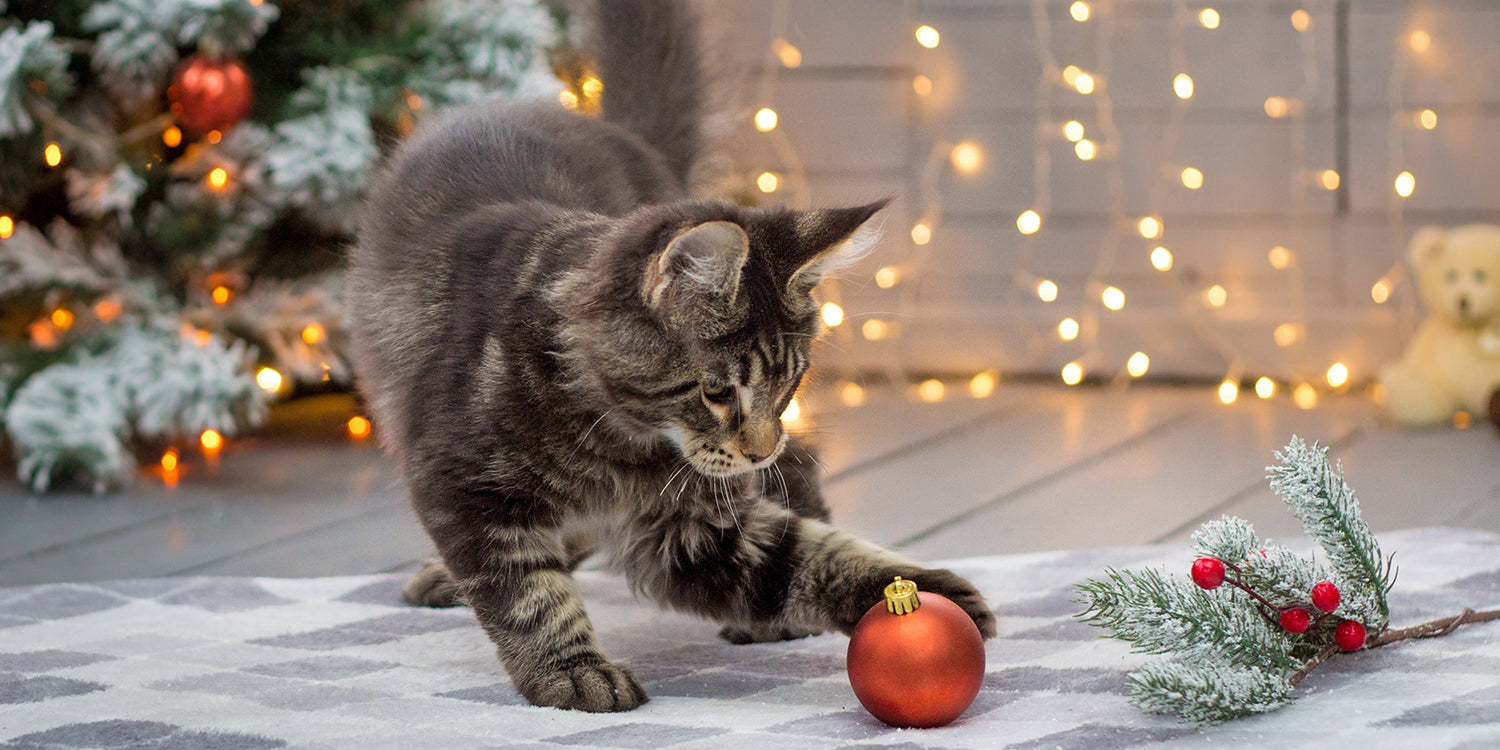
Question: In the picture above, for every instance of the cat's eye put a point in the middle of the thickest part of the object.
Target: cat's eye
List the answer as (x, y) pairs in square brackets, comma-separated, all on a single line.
[(719, 394)]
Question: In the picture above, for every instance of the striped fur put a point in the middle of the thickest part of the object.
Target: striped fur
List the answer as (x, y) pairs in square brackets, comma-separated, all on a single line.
[(563, 349)]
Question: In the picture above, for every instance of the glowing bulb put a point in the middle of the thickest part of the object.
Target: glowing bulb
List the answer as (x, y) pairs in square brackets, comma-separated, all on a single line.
[(1073, 130), (921, 234), (1419, 41), (1149, 227), (922, 85), (1084, 83), (1427, 118), (1192, 179), (1338, 374), (359, 427), (211, 441), (767, 182), (1301, 20), (413, 102), (214, 136), (1305, 396), (568, 99), (268, 379), (886, 277), (1067, 330), (1112, 298), (1287, 334), (1209, 18), (1329, 179), (1161, 259), (1229, 391), (927, 36), (62, 317), (765, 119), (851, 394), (1085, 149), (592, 87), (1029, 222), (788, 53), (875, 329), (7, 227), (832, 314), (1406, 183), (169, 460), (1072, 373), (1080, 11), (218, 177), (1280, 258), (982, 385), (1138, 364), (53, 154), (312, 333), (221, 295), (1462, 420), (930, 391), (1265, 387), (172, 136), (1381, 291), (1182, 85), (793, 412), (1216, 296), (966, 157), (1046, 290), (1070, 74), (1277, 107)]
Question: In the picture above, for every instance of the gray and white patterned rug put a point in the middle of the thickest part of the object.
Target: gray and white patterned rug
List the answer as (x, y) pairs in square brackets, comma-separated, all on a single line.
[(241, 663)]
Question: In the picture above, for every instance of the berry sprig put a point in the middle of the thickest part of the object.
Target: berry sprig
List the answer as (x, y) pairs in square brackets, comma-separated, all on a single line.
[(1210, 572)]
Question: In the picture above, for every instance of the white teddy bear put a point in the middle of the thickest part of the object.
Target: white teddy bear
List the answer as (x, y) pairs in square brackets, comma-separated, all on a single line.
[(1453, 362)]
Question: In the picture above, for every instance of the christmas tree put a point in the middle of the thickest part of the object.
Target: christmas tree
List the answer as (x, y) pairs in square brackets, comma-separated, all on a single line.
[(178, 179), (1242, 649)]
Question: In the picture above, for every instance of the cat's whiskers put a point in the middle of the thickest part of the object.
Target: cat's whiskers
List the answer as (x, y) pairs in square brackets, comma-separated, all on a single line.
[(685, 464), (588, 432)]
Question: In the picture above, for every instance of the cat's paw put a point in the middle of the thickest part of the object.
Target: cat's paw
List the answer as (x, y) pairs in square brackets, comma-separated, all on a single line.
[(960, 592), (432, 586), (762, 633), (597, 688)]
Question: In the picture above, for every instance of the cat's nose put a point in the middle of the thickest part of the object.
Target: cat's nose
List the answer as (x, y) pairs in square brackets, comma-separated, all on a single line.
[(753, 457)]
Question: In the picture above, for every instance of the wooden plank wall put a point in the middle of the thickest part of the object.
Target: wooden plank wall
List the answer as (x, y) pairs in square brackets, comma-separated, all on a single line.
[(857, 130)]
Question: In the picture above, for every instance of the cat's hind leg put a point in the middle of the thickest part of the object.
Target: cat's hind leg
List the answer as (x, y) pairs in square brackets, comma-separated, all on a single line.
[(432, 586)]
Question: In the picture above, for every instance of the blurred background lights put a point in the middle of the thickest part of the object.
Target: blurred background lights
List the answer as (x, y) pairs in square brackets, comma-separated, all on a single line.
[(1265, 387), (1229, 391), (832, 314), (927, 36), (1329, 179), (1112, 298), (1277, 107), (1381, 291), (1209, 18), (1085, 149), (852, 394), (921, 233), (1161, 258), (1138, 364), (1419, 41), (966, 157), (1427, 119), (1305, 396), (1280, 258), (875, 329), (886, 277), (1301, 20), (1182, 85), (930, 390), (1080, 11), (1287, 334), (1084, 83), (1149, 227), (765, 120), (1067, 329), (359, 427), (922, 85), (1073, 130), (1338, 374), (1072, 373), (1029, 222), (1192, 178), (792, 414), (268, 379), (1046, 290), (787, 53), (1216, 296), (767, 182), (1406, 183), (983, 384)]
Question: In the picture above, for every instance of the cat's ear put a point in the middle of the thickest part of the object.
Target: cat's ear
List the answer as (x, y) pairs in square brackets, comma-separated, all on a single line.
[(706, 259), (832, 239)]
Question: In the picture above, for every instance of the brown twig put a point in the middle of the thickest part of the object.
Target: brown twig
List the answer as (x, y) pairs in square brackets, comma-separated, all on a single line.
[(1433, 629)]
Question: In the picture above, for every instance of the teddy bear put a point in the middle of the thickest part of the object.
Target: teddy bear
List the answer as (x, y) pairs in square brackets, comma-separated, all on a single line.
[(1452, 364)]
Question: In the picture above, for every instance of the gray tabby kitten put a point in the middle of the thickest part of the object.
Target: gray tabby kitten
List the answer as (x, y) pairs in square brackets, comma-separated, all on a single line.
[(560, 344)]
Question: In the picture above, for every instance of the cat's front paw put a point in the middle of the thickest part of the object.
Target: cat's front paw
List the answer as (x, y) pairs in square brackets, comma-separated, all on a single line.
[(960, 592), (597, 688), (432, 586), (762, 633)]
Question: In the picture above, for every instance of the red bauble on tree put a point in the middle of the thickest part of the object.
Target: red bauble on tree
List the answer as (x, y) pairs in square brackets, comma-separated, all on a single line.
[(209, 94), (1208, 572), (915, 662), (1325, 596)]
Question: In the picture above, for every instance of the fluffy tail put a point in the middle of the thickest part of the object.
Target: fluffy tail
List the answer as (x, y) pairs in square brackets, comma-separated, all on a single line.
[(650, 55)]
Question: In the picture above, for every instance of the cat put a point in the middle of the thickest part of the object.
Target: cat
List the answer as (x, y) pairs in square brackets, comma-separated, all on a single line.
[(559, 343)]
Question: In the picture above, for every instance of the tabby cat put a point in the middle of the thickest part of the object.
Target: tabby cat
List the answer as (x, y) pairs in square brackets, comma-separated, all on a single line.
[(563, 347)]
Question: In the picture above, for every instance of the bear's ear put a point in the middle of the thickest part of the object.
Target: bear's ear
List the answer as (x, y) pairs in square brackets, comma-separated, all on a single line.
[(1426, 245)]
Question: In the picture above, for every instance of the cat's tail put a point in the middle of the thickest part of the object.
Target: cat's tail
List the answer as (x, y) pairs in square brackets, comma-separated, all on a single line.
[(651, 59)]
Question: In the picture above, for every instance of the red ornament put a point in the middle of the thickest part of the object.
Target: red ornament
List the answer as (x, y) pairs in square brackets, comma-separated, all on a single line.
[(1295, 620), (915, 662), (1208, 572), (1350, 635), (210, 94), (1325, 596)]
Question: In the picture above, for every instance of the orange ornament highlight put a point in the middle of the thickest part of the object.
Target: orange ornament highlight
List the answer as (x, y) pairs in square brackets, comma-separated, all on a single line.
[(915, 661)]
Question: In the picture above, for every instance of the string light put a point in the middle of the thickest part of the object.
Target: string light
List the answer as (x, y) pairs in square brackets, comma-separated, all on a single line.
[(1229, 391), (851, 394), (792, 415), (7, 227), (1084, 83), (1329, 179), (1216, 295), (169, 460), (1280, 258), (1338, 374), (172, 136), (927, 36), (1182, 85), (1029, 222), (1085, 149), (787, 53), (413, 101), (312, 333), (922, 85), (1405, 184), (765, 119), (214, 136), (1067, 329), (1287, 334), (268, 379), (1046, 290), (218, 177), (568, 99), (921, 234), (221, 295), (930, 390), (1072, 373), (1073, 130), (359, 427), (767, 182), (1161, 259), (62, 317), (211, 441), (1305, 396), (1192, 178), (1149, 227), (1265, 387), (875, 329), (832, 314), (1427, 119), (1208, 18), (53, 154), (1070, 74), (1381, 291), (1277, 107), (1080, 11), (1138, 364), (1462, 420), (966, 157), (1113, 298), (983, 384), (592, 86), (1419, 41), (887, 277), (1301, 20)]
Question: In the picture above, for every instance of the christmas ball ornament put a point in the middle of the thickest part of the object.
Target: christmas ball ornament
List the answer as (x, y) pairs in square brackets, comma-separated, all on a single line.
[(1350, 635), (1325, 596), (1208, 572), (209, 94), (915, 660), (1295, 620)]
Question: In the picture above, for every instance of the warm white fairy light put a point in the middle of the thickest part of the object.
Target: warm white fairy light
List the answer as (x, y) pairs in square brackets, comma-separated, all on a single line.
[(1305, 396), (268, 379), (1301, 20), (875, 329), (1329, 179), (1182, 85), (767, 182), (1229, 391), (1080, 11), (1419, 41), (1280, 258), (358, 427), (313, 333), (1216, 296), (1192, 178), (832, 314), (852, 394), (887, 277), (1338, 374), (1073, 130), (792, 415), (931, 390), (1070, 74), (983, 384), (921, 233), (1277, 107), (1405, 184), (966, 157), (1067, 329), (1161, 258), (787, 53), (922, 85), (1029, 222), (1381, 291), (1287, 334), (1046, 290), (1149, 227), (1084, 83), (1072, 373), (1113, 298), (53, 154), (1208, 18), (1427, 119), (1085, 149), (765, 119), (927, 36), (1265, 387), (1138, 364)]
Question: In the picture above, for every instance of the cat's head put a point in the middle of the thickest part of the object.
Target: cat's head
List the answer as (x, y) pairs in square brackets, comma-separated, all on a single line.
[(716, 335)]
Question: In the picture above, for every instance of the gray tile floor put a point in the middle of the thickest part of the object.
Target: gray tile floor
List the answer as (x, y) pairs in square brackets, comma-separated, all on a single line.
[(1031, 468)]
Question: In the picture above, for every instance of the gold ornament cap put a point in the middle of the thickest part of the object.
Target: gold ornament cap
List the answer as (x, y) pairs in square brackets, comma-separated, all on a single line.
[(901, 597)]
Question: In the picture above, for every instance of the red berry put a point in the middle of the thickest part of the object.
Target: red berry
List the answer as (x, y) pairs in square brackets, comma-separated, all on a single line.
[(1208, 572), (1325, 596), (1295, 620), (1350, 635)]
